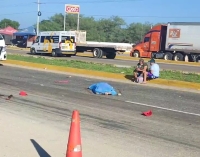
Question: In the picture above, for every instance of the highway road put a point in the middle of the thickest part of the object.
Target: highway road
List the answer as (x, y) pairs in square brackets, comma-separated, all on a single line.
[(166, 66), (110, 125)]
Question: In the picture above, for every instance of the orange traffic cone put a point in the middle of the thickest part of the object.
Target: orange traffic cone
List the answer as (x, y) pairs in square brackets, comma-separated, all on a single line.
[(74, 148)]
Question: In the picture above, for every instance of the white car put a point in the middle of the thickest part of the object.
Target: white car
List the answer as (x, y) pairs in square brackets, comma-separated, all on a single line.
[(3, 54)]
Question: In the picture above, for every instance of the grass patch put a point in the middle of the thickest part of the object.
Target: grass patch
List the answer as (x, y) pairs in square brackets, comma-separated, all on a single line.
[(166, 74)]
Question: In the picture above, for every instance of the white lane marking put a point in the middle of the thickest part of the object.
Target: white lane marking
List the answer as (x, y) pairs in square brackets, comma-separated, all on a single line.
[(162, 108)]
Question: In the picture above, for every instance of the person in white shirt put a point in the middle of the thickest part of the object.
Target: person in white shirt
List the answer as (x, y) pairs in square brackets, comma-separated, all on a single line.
[(154, 71)]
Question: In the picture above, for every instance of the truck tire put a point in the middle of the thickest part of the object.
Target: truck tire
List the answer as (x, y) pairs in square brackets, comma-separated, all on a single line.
[(136, 54), (178, 57), (54, 54), (168, 56), (74, 54), (111, 55), (153, 55), (32, 51), (68, 55), (97, 53)]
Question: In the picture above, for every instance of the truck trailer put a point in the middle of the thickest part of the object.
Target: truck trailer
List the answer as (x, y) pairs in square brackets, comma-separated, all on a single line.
[(99, 49), (177, 41)]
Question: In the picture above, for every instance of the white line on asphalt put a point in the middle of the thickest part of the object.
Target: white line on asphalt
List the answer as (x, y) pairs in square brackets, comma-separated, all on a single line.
[(162, 108)]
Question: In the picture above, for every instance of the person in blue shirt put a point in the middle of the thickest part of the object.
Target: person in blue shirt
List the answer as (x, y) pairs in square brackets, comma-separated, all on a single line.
[(154, 71)]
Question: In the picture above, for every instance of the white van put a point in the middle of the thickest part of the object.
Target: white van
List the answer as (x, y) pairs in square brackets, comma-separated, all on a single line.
[(3, 54), (56, 43)]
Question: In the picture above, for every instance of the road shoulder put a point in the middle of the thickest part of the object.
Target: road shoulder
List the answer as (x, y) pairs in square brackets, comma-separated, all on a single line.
[(159, 83)]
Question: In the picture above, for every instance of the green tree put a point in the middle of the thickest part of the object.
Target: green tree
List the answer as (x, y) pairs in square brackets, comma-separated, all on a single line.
[(136, 31), (7, 22), (113, 29), (90, 25), (110, 29), (48, 25)]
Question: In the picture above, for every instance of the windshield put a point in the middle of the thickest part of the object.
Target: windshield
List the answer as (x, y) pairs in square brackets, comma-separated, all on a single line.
[(1, 37), (138, 42)]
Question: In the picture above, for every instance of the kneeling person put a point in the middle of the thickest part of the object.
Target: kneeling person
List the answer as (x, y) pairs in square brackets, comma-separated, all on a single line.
[(154, 71)]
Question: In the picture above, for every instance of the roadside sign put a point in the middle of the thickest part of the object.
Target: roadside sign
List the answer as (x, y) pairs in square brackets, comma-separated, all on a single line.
[(72, 9)]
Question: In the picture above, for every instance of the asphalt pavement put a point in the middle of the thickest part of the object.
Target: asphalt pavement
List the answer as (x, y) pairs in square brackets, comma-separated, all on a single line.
[(165, 66), (111, 125)]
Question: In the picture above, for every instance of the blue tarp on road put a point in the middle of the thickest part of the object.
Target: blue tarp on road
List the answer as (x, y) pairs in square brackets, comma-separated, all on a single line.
[(27, 31), (102, 88)]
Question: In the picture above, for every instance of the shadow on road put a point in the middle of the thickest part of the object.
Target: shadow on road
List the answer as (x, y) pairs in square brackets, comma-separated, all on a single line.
[(129, 77), (41, 152), (45, 55), (39, 54)]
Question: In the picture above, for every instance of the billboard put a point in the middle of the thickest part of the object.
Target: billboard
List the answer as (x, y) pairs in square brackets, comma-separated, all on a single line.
[(72, 9)]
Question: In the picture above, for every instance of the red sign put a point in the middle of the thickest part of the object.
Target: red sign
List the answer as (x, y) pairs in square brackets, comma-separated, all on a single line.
[(72, 9)]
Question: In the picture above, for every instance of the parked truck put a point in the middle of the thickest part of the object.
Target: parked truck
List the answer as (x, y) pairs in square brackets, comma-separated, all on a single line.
[(69, 43), (99, 49), (177, 41)]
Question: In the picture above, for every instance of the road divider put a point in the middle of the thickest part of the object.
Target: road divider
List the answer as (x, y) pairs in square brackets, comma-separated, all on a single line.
[(96, 70), (145, 59), (121, 57)]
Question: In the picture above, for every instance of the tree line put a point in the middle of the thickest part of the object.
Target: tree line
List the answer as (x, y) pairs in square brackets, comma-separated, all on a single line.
[(7, 22), (113, 29)]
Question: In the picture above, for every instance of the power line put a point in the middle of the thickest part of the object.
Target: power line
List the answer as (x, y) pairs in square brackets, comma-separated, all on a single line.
[(18, 13), (136, 16), (125, 16), (64, 2), (103, 1), (16, 5), (53, 3)]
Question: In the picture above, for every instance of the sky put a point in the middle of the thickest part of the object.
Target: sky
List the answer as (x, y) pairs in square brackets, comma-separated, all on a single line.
[(154, 11)]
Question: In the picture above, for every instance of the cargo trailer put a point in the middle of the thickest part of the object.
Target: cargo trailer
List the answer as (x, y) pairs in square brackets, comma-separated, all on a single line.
[(99, 49), (177, 41)]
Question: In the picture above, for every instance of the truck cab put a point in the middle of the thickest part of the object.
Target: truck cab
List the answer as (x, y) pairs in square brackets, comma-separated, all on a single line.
[(56, 43), (3, 53), (153, 42)]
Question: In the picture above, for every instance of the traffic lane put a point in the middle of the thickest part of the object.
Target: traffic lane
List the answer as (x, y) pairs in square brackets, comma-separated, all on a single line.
[(28, 50), (177, 100), (185, 68), (107, 115), (113, 114), (103, 133)]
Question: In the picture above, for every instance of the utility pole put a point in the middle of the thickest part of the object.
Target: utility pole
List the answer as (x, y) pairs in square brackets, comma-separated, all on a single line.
[(38, 15)]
